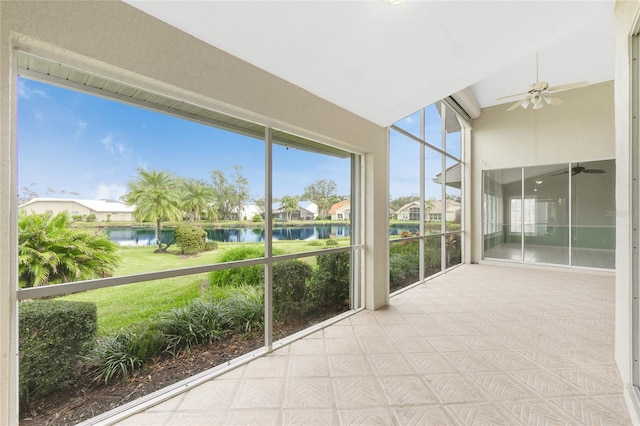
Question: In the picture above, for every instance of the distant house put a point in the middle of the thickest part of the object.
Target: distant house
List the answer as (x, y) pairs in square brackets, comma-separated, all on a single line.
[(411, 211), (249, 211), (307, 210), (341, 210), (103, 209)]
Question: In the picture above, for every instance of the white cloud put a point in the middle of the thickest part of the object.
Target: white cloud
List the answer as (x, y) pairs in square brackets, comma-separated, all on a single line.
[(117, 148), (80, 127), (107, 142), (111, 191), (27, 92)]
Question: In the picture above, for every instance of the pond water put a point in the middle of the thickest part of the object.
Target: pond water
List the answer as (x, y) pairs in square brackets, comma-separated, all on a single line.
[(143, 236)]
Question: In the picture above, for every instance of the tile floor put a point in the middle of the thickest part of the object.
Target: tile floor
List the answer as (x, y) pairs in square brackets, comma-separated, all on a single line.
[(483, 344), (592, 258)]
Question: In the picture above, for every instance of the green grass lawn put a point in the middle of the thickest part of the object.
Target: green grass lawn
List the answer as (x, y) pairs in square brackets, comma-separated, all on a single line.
[(121, 306)]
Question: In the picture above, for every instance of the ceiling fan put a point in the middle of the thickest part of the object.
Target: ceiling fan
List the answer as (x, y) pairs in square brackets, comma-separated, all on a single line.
[(577, 169), (540, 93)]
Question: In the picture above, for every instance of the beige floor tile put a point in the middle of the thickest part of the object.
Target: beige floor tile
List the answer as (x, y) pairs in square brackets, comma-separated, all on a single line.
[(412, 344), (148, 418), (309, 346), (343, 345), (215, 418), (378, 344), (376, 417), (510, 360), (468, 362), (370, 330), (423, 415), (431, 363), (308, 366), (209, 396), (267, 366), (253, 418), (349, 365), (478, 414), (589, 411), (454, 388), (500, 386), (536, 412), (390, 364), (547, 384), (590, 382), (406, 390), (356, 392), (401, 330), (338, 331), (309, 418), (309, 393), (448, 343), (259, 393)]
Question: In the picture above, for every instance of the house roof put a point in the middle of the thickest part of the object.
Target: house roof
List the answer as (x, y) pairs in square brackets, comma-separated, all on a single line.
[(101, 206), (383, 61), (339, 205), (436, 205)]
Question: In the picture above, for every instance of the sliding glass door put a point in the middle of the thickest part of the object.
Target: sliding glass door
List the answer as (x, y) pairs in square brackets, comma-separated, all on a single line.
[(552, 214)]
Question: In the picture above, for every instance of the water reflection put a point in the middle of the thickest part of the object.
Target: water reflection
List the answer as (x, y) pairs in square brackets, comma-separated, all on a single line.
[(146, 236)]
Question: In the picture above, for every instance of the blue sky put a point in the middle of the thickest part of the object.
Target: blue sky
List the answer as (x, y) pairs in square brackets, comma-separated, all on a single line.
[(404, 156), (74, 142)]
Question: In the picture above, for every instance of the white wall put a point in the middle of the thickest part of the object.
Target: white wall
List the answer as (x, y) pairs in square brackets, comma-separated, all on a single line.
[(120, 42), (579, 129), (626, 18)]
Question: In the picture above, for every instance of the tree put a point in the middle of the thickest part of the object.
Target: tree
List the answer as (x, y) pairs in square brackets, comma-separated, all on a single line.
[(323, 193), (231, 194), (50, 251), (156, 198), (402, 200), (198, 199), (289, 204)]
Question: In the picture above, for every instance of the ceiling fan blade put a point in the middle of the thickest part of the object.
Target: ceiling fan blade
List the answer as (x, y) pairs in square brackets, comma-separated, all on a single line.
[(511, 96), (561, 173), (524, 103), (552, 100), (569, 86), (594, 171)]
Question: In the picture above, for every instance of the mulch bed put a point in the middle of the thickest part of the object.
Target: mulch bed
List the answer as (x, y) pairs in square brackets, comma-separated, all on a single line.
[(86, 399)]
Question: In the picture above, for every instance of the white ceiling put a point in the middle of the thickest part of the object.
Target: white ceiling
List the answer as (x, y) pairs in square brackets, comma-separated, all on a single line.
[(383, 62)]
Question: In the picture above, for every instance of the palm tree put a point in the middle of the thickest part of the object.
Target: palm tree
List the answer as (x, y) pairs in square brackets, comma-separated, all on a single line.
[(289, 204), (198, 199), (156, 198), (428, 206), (50, 251)]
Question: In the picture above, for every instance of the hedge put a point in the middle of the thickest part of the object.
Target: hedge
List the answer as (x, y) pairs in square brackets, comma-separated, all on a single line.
[(54, 334)]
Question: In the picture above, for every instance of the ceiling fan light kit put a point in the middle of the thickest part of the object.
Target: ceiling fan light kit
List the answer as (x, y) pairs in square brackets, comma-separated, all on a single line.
[(540, 93)]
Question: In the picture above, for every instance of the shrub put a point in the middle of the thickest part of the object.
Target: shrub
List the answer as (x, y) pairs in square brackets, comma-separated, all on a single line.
[(121, 354), (404, 264), (210, 246), (53, 335), (289, 279), (50, 251), (243, 309), (330, 285), (190, 239), (249, 275), (315, 243), (90, 217), (198, 322), (256, 218), (76, 217), (331, 242)]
